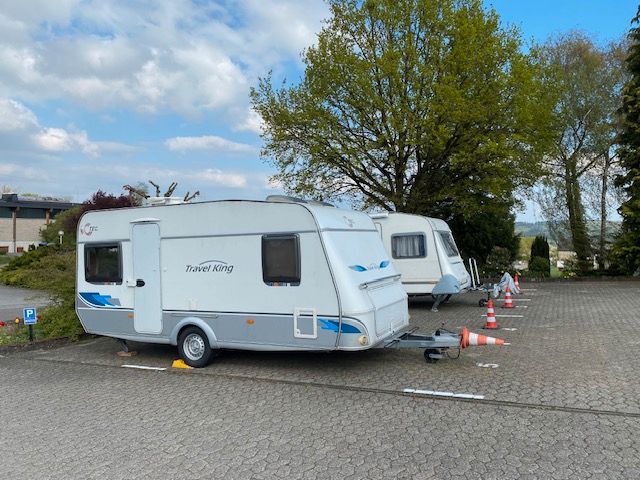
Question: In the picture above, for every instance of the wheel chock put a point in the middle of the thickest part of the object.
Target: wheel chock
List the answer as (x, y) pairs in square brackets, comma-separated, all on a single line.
[(179, 364)]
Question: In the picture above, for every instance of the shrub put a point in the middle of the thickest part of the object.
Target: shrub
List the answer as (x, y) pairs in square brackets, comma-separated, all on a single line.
[(540, 249), (498, 262), (51, 269), (539, 266)]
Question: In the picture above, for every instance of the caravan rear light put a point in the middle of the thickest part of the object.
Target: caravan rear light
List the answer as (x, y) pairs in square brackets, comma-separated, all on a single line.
[(363, 340)]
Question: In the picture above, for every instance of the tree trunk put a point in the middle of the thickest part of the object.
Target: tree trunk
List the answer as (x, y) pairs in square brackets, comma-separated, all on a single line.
[(577, 222), (603, 214)]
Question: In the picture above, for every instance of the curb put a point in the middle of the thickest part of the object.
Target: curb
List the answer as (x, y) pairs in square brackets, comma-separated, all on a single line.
[(47, 343)]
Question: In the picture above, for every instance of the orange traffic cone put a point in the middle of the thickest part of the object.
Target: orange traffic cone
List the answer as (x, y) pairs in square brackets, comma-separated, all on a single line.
[(515, 280), (491, 316), (468, 338), (508, 303)]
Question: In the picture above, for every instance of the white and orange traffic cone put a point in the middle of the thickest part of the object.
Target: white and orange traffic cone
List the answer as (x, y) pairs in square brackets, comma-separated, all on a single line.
[(491, 317), (470, 339), (515, 281), (508, 302)]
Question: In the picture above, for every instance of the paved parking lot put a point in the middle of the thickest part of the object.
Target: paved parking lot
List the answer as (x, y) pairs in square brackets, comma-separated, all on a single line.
[(13, 300), (562, 402)]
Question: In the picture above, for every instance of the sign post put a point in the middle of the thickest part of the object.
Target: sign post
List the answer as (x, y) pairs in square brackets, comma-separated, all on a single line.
[(30, 316)]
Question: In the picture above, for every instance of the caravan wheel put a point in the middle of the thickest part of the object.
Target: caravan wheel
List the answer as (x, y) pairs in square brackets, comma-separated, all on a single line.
[(194, 348)]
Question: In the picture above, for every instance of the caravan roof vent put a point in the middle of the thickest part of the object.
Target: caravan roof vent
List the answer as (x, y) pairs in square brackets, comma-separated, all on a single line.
[(285, 199), (288, 199), (379, 215), (155, 201)]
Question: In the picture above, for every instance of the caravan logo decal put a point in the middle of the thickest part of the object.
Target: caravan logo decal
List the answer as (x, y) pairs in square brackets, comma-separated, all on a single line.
[(373, 266), (88, 229), (210, 266)]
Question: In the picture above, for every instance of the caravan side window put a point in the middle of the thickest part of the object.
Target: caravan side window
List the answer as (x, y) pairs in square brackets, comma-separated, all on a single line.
[(281, 260), (102, 263), (408, 245)]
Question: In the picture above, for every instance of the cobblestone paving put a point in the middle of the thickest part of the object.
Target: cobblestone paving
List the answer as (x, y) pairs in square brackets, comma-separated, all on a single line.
[(578, 346), (74, 421)]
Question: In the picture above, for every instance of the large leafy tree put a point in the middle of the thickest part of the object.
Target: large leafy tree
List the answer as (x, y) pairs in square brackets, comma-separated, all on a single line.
[(627, 248), (588, 80), (418, 106)]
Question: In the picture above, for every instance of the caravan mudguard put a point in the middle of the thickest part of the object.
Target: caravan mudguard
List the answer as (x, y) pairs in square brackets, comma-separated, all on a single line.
[(198, 322), (448, 285)]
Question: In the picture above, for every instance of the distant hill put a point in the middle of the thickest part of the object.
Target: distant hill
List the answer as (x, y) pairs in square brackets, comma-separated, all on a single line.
[(526, 229), (532, 229)]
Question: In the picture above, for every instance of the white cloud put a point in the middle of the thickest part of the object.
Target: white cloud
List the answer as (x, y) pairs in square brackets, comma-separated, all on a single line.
[(180, 56), (207, 142), (251, 123), (59, 140), (15, 116), (8, 168), (20, 129), (220, 178), (23, 172)]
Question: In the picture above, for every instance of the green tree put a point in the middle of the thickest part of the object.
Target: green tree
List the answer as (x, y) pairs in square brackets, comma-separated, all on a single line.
[(627, 247), (588, 81), (417, 106), (50, 233), (479, 234)]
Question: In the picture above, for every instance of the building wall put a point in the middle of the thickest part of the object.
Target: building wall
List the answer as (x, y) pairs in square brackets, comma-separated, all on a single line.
[(27, 232)]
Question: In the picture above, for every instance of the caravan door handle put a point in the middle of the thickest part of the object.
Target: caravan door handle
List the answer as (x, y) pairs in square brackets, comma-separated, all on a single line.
[(140, 283)]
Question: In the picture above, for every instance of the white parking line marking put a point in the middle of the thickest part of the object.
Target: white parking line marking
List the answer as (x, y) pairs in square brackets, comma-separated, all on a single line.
[(143, 367), (509, 329), (505, 316), (444, 394), (487, 365)]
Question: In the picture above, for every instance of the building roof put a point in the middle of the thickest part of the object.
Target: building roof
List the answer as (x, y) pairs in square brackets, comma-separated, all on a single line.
[(13, 200)]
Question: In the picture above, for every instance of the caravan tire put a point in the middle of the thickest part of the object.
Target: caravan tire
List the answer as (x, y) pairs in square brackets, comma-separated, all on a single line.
[(194, 348)]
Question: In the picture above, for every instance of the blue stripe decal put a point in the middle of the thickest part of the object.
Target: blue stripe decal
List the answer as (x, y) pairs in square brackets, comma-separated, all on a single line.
[(373, 266), (333, 326), (97, 300)]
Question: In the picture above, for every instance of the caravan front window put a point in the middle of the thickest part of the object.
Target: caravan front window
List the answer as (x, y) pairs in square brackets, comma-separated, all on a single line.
[(281, 260), (449, 244), (408, 245), (102, 263)]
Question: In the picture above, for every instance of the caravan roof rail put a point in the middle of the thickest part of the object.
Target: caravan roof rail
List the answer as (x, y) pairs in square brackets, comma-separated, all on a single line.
[(288, 199)]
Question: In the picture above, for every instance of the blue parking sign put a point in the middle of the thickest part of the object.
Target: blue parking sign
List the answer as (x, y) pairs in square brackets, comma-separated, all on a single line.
[(30, 316)]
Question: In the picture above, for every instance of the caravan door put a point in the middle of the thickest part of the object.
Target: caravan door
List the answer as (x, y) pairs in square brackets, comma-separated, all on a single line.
[(147, 316)]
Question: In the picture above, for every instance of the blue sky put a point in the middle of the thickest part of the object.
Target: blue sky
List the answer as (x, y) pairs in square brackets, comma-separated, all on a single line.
[(95, 94)]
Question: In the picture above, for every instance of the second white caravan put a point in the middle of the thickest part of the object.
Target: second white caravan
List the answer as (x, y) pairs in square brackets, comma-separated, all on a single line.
[(423, 251), (237, 274)]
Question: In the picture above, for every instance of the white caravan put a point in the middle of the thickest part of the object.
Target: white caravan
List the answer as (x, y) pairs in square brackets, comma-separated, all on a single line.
[(423, 251), (238, 274)]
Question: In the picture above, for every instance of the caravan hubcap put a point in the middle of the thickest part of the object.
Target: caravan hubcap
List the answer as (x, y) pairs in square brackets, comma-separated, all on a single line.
[(194, 346)]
